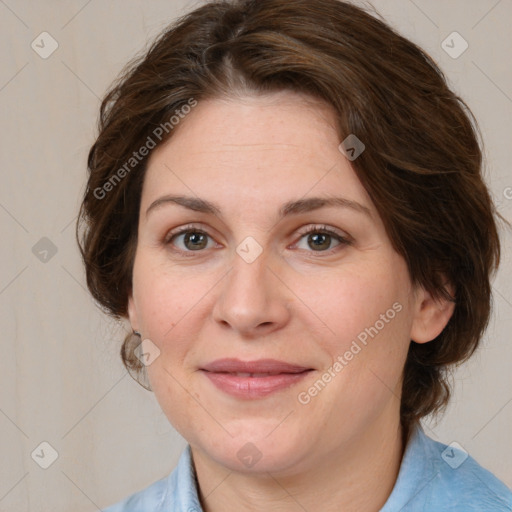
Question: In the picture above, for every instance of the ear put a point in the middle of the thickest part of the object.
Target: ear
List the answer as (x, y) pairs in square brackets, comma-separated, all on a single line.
[(431, 315), (132, 313)]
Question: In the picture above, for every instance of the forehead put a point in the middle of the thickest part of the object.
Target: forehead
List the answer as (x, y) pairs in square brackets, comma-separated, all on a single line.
[(254, 149)]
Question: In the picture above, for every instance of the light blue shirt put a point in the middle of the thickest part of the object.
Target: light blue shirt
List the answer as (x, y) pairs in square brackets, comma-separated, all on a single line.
[(433, 477)]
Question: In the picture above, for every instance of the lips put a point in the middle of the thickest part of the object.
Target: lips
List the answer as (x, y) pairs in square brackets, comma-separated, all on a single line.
[(262, 366), (253, 379)]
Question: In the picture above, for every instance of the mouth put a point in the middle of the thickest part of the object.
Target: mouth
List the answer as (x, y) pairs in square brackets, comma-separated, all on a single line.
[(253, 379)]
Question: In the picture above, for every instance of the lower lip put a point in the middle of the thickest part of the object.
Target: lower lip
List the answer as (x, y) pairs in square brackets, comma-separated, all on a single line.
[(254, 387)]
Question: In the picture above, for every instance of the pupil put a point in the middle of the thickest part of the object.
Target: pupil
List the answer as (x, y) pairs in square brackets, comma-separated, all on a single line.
[(322, 238), (194, 238)]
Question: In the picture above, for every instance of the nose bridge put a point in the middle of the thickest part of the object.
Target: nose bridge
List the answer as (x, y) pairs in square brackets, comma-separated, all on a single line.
[(251, 296)]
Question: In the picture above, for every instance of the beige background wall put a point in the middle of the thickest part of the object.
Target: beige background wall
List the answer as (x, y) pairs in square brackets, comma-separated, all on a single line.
[(62, 380)]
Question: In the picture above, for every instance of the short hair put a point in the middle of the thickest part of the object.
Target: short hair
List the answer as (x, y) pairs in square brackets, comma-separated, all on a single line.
[(422, 166)]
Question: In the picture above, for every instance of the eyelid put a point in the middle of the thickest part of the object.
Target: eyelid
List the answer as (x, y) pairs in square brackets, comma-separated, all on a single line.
[(194, 227), (166, 241), (323, 228), (343, 238)]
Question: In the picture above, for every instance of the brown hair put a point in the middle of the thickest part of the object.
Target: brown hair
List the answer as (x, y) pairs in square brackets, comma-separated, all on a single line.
[(421, 167)]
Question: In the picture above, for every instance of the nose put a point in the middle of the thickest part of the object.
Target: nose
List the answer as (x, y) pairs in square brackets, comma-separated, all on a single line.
[(253, 299)]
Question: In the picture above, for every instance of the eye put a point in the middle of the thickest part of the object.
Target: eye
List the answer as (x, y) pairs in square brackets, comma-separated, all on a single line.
[(320, 239), (192, 239)]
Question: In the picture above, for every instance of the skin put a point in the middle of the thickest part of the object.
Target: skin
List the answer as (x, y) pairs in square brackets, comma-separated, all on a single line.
[(296, 302)]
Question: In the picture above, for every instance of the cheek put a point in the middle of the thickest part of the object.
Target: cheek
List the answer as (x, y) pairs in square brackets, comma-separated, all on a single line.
[(368, 317), (177, 401), (165, 298), (352, 302), (170, 307), (164, 307)]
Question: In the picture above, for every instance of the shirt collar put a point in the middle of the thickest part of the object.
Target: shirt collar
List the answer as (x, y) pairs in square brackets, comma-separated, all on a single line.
[(181, 492), (417, 471)]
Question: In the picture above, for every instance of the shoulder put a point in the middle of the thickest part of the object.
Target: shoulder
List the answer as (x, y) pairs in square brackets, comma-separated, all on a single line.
[(436, 476), (145, 499), (177, 491), (463, 482)]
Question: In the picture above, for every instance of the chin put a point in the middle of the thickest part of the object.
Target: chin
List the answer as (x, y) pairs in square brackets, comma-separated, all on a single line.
[(258, 452)]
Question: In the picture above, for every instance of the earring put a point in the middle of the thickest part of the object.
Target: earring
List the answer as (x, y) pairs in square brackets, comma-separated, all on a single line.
[(137, 333)]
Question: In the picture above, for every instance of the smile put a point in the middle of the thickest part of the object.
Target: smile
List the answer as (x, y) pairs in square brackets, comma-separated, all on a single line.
[(253, 379)]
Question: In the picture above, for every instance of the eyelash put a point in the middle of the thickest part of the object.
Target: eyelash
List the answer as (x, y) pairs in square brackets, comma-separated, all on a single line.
[(324, 230)]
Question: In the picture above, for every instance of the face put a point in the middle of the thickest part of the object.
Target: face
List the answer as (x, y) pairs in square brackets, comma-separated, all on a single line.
[(280, 312)]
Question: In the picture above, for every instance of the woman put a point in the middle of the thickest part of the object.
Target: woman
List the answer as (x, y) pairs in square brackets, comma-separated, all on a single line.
[(285, 200)]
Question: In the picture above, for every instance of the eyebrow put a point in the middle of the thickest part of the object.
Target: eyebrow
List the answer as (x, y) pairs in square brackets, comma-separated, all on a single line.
[(291, 208)]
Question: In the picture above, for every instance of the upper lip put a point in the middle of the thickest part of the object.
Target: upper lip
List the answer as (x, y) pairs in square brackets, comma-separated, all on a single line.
[(271, 366)]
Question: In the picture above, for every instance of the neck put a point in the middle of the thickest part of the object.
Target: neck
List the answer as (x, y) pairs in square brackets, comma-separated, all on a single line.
[(355, 477)]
